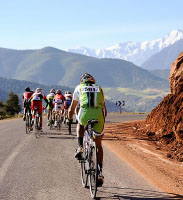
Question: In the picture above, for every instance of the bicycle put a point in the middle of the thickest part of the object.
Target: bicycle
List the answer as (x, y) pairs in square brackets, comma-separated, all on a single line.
[(51, 119), (89, 162), (37, 127), (59, 121), (67, 122), (28, 119)]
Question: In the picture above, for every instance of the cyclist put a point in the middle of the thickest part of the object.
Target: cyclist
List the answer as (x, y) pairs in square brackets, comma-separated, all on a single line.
[(36, 101), (68, 99), (67, 102), (25, 97), (49, 105), (92, 106), (58, 102)]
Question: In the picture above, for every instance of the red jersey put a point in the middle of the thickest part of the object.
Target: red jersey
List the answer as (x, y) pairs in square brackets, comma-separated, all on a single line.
[(58, 99), (26, 96)]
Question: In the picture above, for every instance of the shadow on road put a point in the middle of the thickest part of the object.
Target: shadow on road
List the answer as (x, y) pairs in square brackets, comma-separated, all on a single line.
[(63, 138), (136, 194)]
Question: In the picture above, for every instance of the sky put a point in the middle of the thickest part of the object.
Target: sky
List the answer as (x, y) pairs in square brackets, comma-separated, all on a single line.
[(66, 24)]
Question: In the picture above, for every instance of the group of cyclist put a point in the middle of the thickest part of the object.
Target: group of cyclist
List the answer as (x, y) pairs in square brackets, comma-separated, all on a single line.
[(90, 98), (56, 104)]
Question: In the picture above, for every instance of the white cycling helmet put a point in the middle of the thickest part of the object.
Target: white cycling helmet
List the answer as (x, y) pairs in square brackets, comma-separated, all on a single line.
[(52, 91), (38, 90)]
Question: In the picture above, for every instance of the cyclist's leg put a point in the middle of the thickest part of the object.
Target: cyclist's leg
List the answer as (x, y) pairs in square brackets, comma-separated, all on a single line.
[(56, 114), (30, 120), (80, 134), (48, 116), (41, 120), (80, 131), (25, 109), (40, 110), (33, 111), (98, 141)]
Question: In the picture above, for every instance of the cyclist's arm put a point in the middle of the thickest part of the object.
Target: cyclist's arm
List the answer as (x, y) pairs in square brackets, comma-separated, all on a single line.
[(74, 102), (47, 103), (45, 99), (105, 109), (72, 109), (30, 99)]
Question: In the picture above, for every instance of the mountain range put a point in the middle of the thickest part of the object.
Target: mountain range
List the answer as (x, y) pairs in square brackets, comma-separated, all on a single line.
[(136, 52), (163, 59), (51, 66)]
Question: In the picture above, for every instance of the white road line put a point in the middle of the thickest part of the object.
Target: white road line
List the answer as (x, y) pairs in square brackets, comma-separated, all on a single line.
[(6, 165)]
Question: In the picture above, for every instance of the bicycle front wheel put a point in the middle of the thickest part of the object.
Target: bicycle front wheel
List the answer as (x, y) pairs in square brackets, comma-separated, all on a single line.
[(84, 168), (93, 175)]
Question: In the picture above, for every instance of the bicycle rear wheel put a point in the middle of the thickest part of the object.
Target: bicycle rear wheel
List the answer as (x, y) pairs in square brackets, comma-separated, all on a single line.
[(58, 125), (51, 122), (37, 133), (93, 175), (69, 128), (27, 123)]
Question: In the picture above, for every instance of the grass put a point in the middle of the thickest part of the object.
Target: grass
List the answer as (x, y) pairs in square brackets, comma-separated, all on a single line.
[(150, 93)]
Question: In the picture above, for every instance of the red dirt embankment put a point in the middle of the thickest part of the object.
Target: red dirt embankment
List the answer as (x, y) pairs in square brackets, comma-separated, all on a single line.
[(131, 143), (155, 146)]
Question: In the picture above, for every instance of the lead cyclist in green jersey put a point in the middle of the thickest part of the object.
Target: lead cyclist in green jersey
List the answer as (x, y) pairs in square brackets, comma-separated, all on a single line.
[(92, 106)]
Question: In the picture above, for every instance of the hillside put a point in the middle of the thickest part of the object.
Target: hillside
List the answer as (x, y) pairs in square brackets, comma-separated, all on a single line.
[(164, 58), (50, 66), (136, 100), (18, 86), (3, 95), (162, 73)]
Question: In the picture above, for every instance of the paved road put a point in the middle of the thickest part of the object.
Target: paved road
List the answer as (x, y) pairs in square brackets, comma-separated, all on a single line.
[(45, 169)]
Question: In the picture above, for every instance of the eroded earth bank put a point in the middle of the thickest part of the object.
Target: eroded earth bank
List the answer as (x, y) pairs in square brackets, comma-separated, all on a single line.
[(155, 146)]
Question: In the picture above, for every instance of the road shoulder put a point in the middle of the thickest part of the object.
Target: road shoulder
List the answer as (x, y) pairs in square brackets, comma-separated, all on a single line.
[(144, 156)]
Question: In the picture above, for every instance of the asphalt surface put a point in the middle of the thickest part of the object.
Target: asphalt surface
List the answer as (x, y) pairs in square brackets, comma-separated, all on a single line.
[(45, 168)]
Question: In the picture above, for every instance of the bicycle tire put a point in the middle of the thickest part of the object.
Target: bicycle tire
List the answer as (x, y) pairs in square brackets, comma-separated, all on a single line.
[(27, 123), (37, 133), (51, 124), (93, 174), (69, 128), (84, 171), (57, 126)]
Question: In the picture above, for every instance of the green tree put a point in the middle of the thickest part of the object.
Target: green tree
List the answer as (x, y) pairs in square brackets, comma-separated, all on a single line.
[(12, 105), (2, 110)]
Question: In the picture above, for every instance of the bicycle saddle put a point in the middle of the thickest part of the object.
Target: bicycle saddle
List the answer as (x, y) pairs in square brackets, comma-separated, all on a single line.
[(92, 121)]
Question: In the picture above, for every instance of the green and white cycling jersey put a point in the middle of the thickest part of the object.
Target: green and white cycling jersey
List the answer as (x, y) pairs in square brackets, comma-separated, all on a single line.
[(50, 97), (89, 96), (91, 99)]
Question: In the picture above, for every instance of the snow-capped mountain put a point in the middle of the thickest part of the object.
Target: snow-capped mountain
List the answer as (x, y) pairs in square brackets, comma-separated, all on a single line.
[(136, 52)]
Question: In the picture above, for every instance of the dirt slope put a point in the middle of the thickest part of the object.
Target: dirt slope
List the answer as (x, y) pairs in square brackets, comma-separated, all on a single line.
[(132, 144), (155, 146)]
